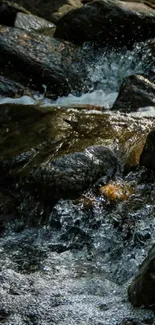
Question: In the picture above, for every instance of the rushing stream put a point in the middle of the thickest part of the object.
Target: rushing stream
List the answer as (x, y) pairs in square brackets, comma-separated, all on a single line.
[(106, 70), (75, 269)]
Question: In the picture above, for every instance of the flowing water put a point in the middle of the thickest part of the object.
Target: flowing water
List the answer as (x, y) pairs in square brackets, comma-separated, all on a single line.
[(75, 269), (106, 71)]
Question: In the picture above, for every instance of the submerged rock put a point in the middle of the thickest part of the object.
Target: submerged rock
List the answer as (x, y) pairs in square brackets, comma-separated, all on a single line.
[(34, 59), (135, 92), (111, 23), (142, 289), (147, 157), (116, 191)]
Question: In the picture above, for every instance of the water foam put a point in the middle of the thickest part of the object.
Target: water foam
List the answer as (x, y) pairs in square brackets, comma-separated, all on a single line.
[(105, 70)]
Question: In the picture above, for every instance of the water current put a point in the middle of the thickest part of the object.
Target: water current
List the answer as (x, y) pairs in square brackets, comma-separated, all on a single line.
[(106, 70), (75, 269)]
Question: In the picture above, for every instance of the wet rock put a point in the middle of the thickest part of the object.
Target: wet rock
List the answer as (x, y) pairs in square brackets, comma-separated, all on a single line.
[(10, 88), (29, 22), (43, 158), (46, 135), (135, 92), (116, 191), (34, 60), (8, 12), (51, 10), (147, 157), (112, 24), (70, 175), (142, 289), (68, 6), (150, 48)]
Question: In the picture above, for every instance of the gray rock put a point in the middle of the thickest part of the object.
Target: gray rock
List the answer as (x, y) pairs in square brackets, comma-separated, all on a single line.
[(30, 22), (136, 92), (70, 175), (34, 59)]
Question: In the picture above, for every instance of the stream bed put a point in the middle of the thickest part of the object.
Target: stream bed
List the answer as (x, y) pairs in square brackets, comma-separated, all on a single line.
[(75, 267)]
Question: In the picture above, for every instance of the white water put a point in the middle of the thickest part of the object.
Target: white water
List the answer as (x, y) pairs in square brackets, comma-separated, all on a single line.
[(106, 72)]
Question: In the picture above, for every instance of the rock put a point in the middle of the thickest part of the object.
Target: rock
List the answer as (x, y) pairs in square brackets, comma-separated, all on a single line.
[(109, 23), (147, 157), (30, 22), (8, 12), (33, 60), (141, 291), (149, 3), (116, 191), (43, 157), (149, 47), (64, 9), (51, 9), (10, 88), (47, 136), (135, 92), (70, 175)]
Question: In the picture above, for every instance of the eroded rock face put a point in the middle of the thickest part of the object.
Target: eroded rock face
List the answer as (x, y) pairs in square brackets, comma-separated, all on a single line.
[(34, 59), (111, 23), (135, 92), (142, 289)]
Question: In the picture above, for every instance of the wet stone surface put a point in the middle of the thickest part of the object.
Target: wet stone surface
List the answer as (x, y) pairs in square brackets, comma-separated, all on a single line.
[(71, 261)]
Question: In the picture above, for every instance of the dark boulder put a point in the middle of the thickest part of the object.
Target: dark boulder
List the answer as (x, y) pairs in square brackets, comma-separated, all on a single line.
[(111, 23), (34, 59), (70, 175), (8, 13), (10, 88), (136, 92), (147, 157), (141, 291)]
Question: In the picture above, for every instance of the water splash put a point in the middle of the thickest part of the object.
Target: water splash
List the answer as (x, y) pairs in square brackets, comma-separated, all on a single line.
[(106, 71)]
